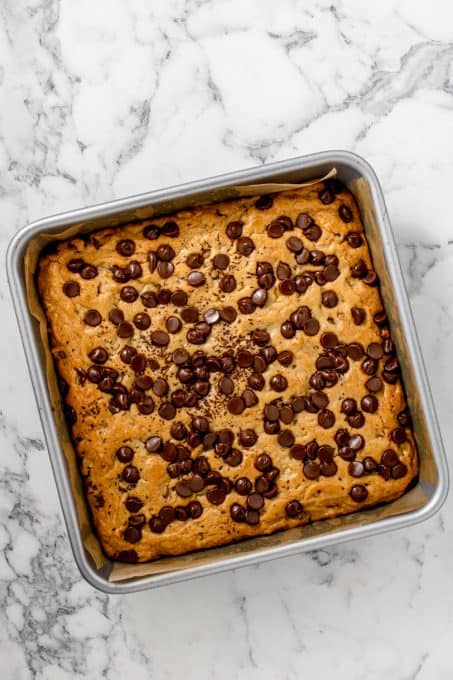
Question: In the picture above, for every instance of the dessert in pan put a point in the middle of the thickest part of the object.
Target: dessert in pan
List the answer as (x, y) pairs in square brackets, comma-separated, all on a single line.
[(227, 371)]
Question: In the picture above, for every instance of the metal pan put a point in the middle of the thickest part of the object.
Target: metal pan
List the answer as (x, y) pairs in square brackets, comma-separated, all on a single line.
[(420, 503)]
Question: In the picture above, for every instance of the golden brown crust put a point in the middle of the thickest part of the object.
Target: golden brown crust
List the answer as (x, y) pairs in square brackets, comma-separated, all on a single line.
[(98, 433)]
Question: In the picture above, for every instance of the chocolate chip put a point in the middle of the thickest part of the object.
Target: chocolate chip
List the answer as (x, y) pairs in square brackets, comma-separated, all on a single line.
[(389, 458), (256, 381), (369, 366), (374, 385), (132, 534), (124, 454), (286, 438), (255, 501), (228, 314), (149, 298), (294, 244), (369, 403), (399, 435), (287, 287), (183, 489), (216, 496), (329, 298), (300, 316), (98, 355), (259, 364), (369, 464), (221, 261), (260, 337), (371, 279), (380, 319), (246, 305), (358, 315), (120, 275), (88, 271), (94, 374), (195, 509), (356, 420), (75, 265), (331, 272), (128, 294), (320, 278), (320, 400), (328, 468), (165, 269), (226, 385), (228, 283), (167, 410), (244, 358), (348, 406), (134, 269), (249, 398), (173, 324), (237, 513), (311, 469), (160, 338), (194, 260), (354, 239), (358, 493), (252, 517), (130, 474), (313, 233), (286, 415), (391, 365), (160, 387), (180, 356), (345, 213), (298, 404), (245, 246), (190, 314), (375, 350), (399, 470), (269, 354), (359, 270), (356, 468), (287, 329), (196, 279), (71, 289), (170, 229), (152, 261), (126, 247), (133, 504), (326, 418), (263, 462), (264, 202), (234, 458), (259, 297), (271, 427), (285, 358), (283, 271), (248, 437), (271, 412), (304, 221), (236, 405), (278, 383), (92, 317), (165, 253), (200, 424), (390, 378), (303, 257), (234, 230), (143, 382), (311, 327), (142, 321), (168, 452)]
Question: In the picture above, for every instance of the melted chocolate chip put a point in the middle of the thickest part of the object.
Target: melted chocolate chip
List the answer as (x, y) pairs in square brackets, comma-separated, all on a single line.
[(234, 230), (71, 289), (245, 246), (228, 283), (92, 317)]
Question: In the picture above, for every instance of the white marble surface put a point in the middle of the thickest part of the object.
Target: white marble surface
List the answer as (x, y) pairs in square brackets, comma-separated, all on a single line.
[(104, 98)]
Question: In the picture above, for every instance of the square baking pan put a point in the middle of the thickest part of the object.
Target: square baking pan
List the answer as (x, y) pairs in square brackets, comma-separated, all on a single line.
[(419, 503)]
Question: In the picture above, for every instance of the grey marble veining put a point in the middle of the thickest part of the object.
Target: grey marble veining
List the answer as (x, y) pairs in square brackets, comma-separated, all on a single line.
[(107, 98)]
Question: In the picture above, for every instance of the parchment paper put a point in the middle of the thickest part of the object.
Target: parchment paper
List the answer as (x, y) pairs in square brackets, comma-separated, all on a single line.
[(120, 571)]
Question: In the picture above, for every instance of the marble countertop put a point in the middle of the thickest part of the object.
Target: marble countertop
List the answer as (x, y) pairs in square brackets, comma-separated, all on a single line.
[(107, 98)]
